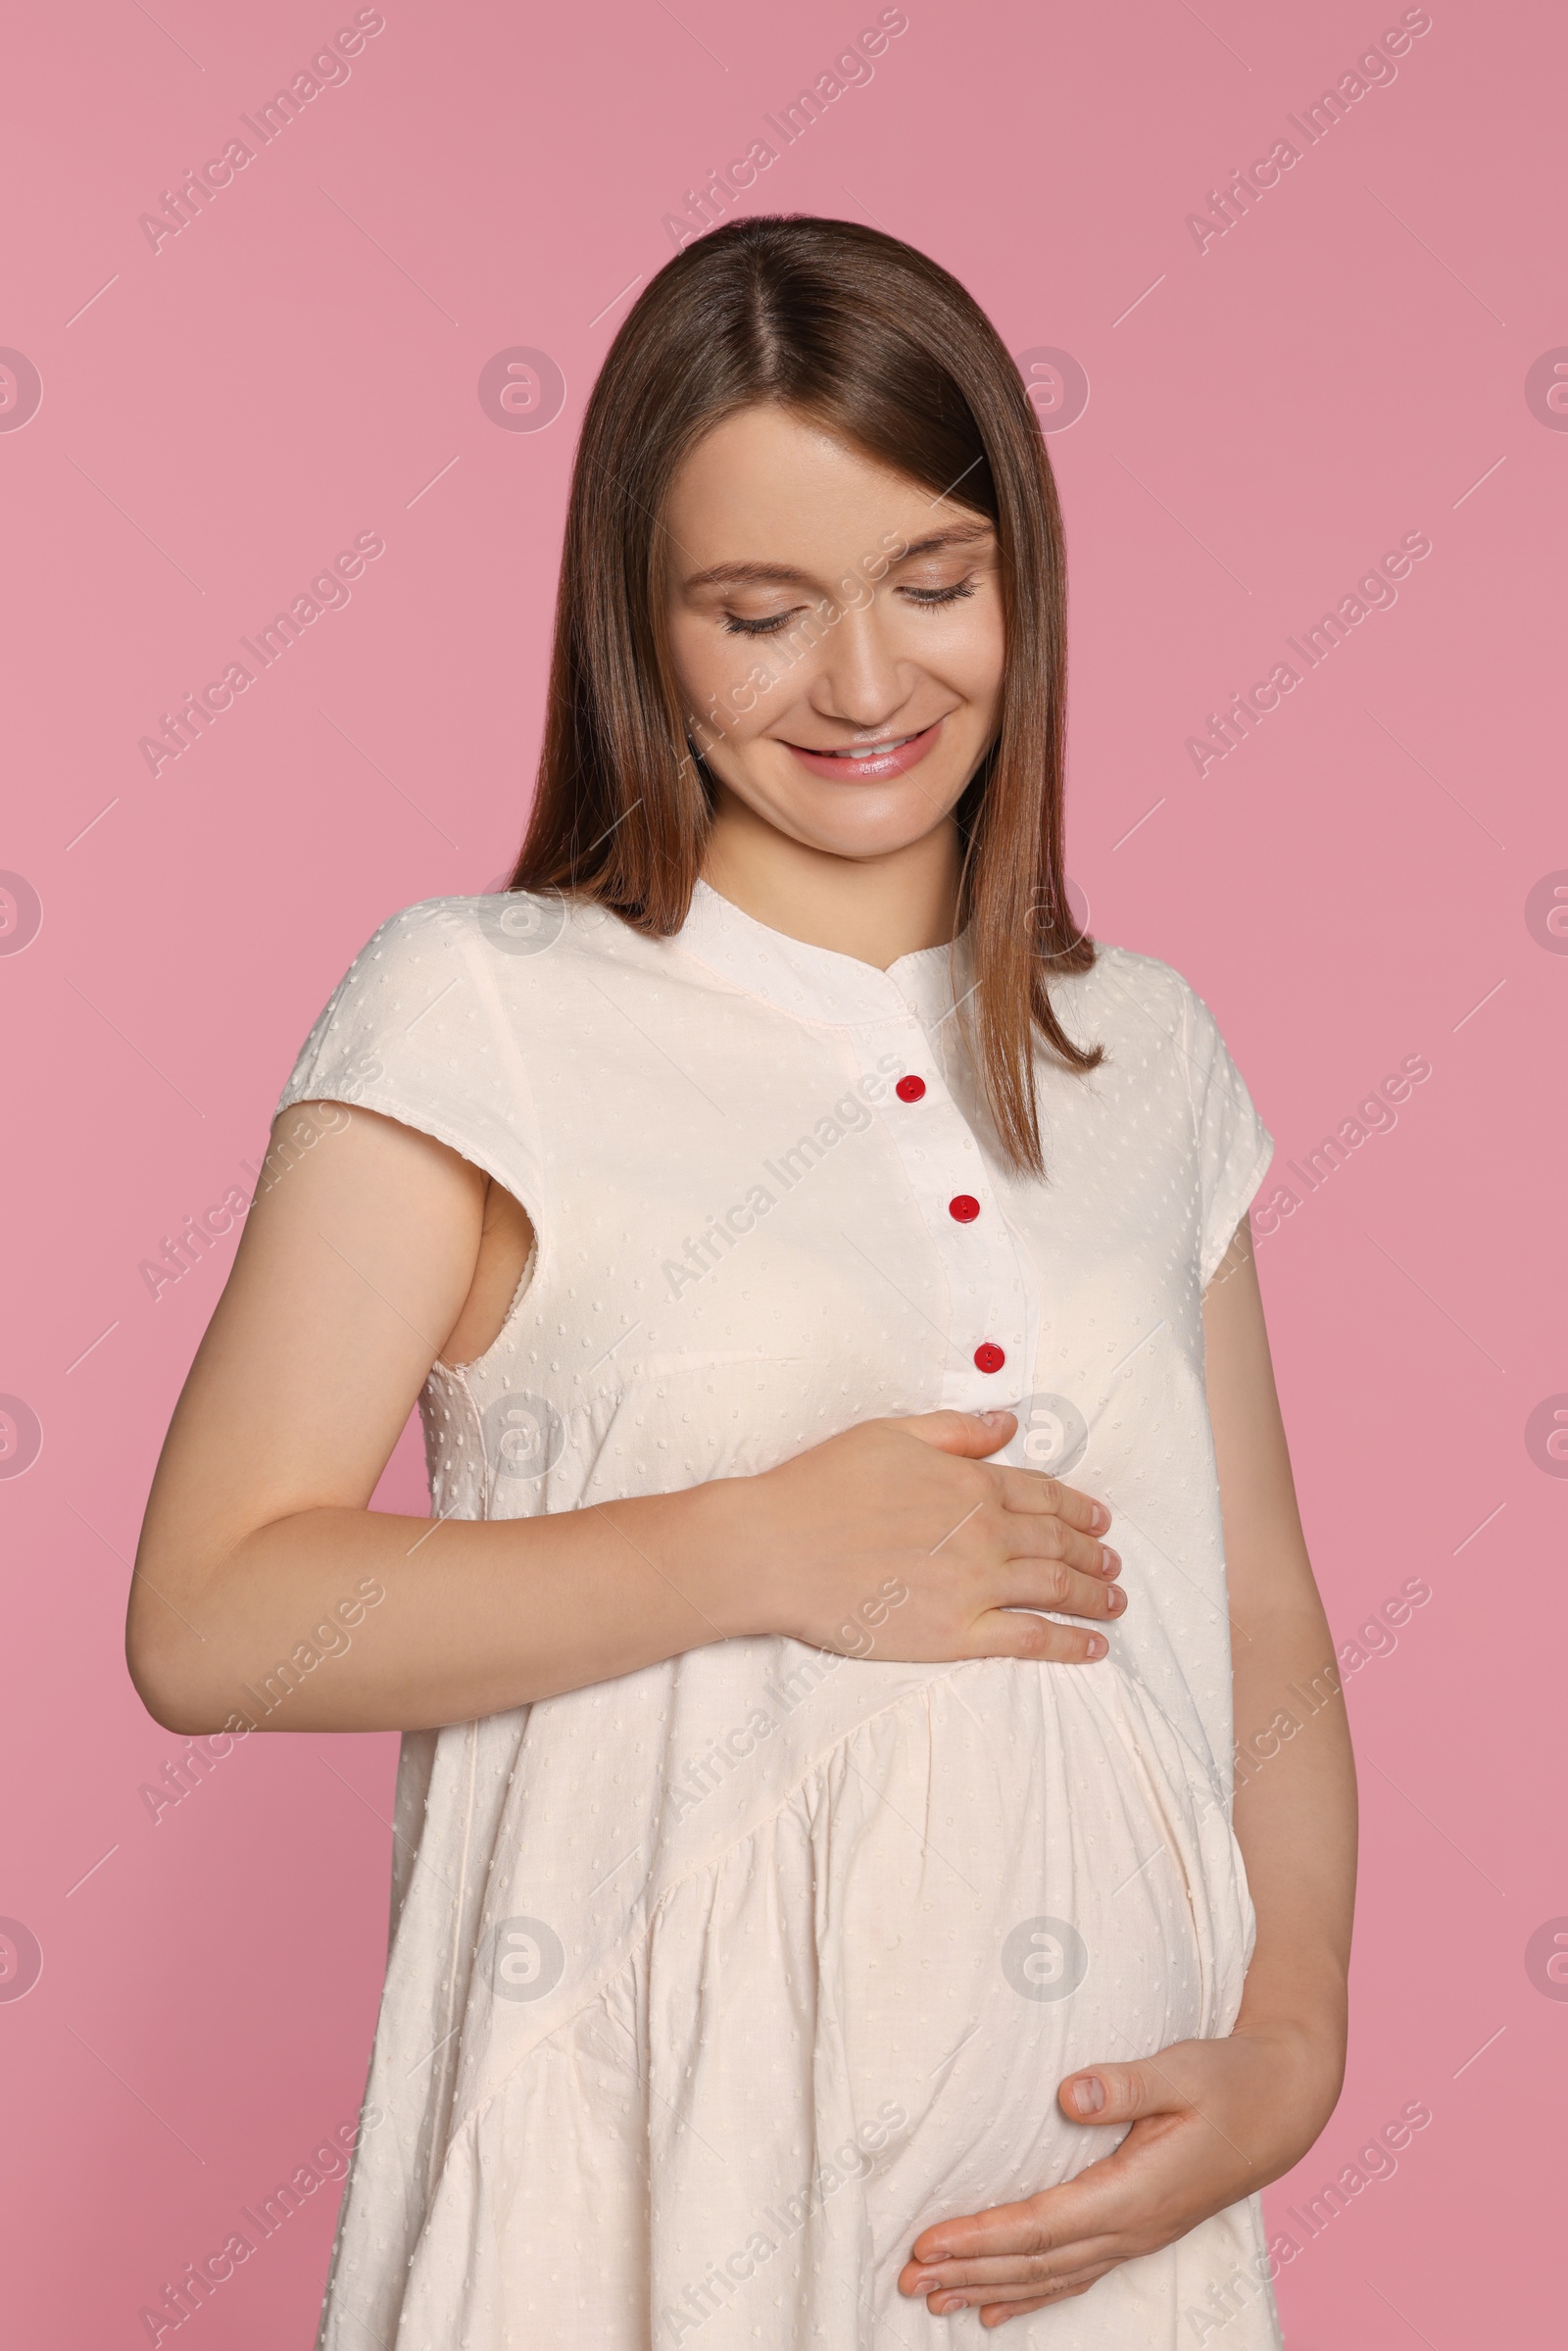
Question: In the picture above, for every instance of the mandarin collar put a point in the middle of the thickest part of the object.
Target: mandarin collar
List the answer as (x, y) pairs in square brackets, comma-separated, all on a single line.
[(818, 983)]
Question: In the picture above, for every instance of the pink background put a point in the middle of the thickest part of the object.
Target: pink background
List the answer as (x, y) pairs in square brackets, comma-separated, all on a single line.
[(1351, 886)]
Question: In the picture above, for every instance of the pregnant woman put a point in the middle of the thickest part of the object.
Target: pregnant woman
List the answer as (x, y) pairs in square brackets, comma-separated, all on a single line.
[(857, 1477)]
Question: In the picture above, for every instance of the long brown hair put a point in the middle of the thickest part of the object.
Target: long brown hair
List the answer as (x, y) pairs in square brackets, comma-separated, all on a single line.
[(866, 336)]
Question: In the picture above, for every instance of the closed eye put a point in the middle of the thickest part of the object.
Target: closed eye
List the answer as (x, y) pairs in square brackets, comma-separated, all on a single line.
[(927, 598), (735, 627), (931, 596)]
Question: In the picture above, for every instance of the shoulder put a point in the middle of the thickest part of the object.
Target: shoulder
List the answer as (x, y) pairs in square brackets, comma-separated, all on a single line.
[(465, 963), (1126, 996), (429, 1023), (514, 926), (404, 941)]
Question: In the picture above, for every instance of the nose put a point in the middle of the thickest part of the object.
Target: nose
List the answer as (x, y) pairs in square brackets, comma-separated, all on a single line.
[(858, 680)]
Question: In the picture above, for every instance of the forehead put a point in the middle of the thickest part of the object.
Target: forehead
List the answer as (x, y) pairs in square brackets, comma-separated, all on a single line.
[(768, 485)]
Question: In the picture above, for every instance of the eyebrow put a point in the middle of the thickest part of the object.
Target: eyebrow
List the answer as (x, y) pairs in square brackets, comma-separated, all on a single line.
[(751, 575)]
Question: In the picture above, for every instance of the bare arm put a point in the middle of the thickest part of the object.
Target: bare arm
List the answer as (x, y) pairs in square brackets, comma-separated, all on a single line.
[(354, 1268), (1212, 2120), (360, 1266), (1296, 1796)]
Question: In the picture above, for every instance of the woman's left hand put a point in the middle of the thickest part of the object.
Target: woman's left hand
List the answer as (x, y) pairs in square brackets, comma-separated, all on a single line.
[(1211, 2121)]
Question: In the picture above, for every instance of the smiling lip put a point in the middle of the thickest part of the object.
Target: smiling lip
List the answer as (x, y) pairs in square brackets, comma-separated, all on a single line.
[(898, 755)]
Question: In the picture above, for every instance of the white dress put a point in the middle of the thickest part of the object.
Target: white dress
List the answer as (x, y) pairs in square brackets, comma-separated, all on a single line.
[(712, 1986)]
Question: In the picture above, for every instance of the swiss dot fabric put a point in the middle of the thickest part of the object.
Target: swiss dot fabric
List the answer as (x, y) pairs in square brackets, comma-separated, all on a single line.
[(712, 1985)]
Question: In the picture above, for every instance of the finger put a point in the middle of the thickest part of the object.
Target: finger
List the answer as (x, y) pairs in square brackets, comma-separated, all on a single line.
[(974, 2236), (1035, 1495), (1083, 2219), (996, 2314), (972, 1435), (1048, 1584), (1013, 2277), (1125, 2093), (1013, 2250), (1018, 1633), (1051, 1538)]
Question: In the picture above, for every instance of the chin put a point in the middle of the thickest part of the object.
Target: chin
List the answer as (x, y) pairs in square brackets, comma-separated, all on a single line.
[(865, 839), (859, 820)]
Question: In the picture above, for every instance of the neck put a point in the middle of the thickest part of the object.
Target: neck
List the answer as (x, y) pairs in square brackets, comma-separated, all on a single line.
[(873, 909)]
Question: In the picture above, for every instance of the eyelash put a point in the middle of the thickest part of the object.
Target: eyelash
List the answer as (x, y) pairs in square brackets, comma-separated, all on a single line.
[(926, 598)]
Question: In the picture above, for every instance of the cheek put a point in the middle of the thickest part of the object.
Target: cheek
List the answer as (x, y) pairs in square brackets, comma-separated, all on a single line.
[(728, 681), (962, 646), (692, 657)]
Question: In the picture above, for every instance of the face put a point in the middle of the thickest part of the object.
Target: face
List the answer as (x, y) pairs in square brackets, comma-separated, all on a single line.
[(837, 634)]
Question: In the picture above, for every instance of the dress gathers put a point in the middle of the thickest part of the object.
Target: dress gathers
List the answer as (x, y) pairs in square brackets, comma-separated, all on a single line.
[(710, 1987)]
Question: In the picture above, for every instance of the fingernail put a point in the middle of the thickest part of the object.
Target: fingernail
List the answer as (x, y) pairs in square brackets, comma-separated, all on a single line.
[(1088, 2095), (1115, 1599), (993, 1420), (1109, 1560), (1097, 1644), (926, 2285), (1102, 1517)]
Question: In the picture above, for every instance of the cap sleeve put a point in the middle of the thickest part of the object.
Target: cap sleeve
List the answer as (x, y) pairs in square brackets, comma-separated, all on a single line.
[(1234, 1145), (413, 1030)]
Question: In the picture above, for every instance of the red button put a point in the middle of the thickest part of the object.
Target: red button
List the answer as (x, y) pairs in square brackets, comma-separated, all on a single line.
[(910, 1090), (987, 1356), (964, 1209)]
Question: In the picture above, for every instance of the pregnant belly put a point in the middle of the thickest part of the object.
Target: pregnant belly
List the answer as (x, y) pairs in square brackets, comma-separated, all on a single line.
[(1033, 1877), (835, 2013)]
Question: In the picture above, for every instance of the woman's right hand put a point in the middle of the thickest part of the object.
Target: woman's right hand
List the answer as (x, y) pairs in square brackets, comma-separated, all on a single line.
[(900, 1540)]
